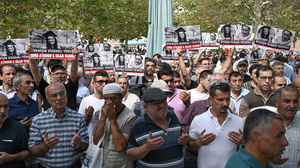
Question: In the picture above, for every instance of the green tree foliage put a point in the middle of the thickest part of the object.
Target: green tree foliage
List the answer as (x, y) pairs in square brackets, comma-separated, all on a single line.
[(211, 13), (119, 19)]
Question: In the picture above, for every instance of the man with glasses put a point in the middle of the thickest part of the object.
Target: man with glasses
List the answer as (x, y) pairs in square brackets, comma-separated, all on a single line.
[(90, 106), (58, 136), (58, 74), (216, 134), (179, 99), (262, 95)]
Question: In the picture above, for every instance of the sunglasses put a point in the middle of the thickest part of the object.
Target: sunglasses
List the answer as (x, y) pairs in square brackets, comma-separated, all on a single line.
[(102, 81), (219, 86), (170, 80)]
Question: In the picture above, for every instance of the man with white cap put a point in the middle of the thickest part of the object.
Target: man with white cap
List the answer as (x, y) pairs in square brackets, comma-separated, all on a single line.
[(115, 125)]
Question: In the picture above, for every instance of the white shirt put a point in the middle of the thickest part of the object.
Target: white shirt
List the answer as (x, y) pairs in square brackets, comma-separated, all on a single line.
[(94, 102), (130, 99), (10, 93), (216, 153), (237, 102), (196, 96)]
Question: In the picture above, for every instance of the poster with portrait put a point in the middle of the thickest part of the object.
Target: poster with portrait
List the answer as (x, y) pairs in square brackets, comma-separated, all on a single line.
[(52, 44), (169, 56), (273, 38), (94, 59), (13, 51), (257, 55), (130, 64), (186, 37), (209, 40), (235, 35)]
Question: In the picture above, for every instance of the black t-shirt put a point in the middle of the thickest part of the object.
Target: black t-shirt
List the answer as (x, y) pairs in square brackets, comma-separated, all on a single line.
[(71, 89), (193, 85)]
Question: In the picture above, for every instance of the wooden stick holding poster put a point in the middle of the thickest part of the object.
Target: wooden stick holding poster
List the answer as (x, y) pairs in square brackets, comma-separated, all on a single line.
[(52, 44), (13, 51)]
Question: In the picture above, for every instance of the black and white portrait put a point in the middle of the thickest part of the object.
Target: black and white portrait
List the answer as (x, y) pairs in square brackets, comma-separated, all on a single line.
[(244, 32), (105, 47), (96, 60), (265, 33), (184, 36), (52, 41), (136, 61), (12, 48), (283, 37), (91, 48), (122, 61), (227, 32)]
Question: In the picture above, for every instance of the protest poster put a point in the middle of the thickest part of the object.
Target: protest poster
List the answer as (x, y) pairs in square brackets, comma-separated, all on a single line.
[(257, 55), (209, 40), (94, 59), (273, 38), (169, 56), (52, 44), (13, 51), (130, 64), (235, 35), (186, 37)]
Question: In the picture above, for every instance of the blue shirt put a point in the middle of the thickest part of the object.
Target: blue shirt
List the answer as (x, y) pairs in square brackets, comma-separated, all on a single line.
[(18, 109), (243, 159), (82, 92), (13, 139), (65, 127), (169, 154)]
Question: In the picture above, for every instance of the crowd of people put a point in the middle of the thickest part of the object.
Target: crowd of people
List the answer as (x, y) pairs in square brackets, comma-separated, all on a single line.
[(219, 110)]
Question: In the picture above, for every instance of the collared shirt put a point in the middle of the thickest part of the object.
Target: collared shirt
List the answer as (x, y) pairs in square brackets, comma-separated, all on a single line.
[(130, 99), (177, 103), (243, 159), (169, 154), (18, 109), (13, 139), (65, 127), (288, 70), (10, 93), (237, 102), (292, 150), (210, 155), (82, 92)]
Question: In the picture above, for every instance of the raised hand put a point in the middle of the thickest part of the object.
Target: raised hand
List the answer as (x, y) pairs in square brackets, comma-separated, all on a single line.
[(155, 143), (50, 142), (205, 139), (236, 137), (76, 140), (184, 138), (26, 122)]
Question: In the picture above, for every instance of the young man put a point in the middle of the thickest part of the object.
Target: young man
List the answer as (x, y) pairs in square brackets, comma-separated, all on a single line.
[(7, 74)]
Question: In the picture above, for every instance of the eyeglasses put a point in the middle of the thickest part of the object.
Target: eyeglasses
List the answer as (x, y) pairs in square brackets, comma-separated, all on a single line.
[(62, 93), (170, 80), (59, 74), (102, 81), (264, 78), (219, 85)]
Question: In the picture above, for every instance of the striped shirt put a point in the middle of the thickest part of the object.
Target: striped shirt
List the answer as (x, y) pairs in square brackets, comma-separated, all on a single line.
[(170, 154), (65, 127), (292, 150)]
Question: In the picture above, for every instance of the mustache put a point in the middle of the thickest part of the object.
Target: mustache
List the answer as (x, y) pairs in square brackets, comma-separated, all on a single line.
[(290, 109), (59, 101), (3, 115), (162, 108), (224, 107)]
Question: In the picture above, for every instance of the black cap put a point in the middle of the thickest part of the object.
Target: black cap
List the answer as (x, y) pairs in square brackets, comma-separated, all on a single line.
[(154, 95), (50, 33), (95, 55), (244, 62), (8, 42), (180, 29), (57, 66)]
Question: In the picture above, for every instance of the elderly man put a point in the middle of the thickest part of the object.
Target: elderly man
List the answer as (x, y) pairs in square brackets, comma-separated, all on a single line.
[(265, 140), (90, 106), (287, 102), (13, 139), (149, 145), (216, 128), (21, 107), (129, 99), (7, 74), (58, 74), (115, 124), (58, 136)]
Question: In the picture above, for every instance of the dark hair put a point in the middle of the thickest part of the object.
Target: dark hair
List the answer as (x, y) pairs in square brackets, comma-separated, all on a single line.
[(264, 68), (281, 59), (147, 59), (222, 58), (242, 55), (7, 64), (100, 73), (253, 66), (48, 45), (204, 74), (53, 62), (202, 59), (247, 27), (258, 120), (223, 87), (176, 74), (164, 71), (14, 52), (80, 60), (288, 32), (234, 74), (158, 55), (215, 60)]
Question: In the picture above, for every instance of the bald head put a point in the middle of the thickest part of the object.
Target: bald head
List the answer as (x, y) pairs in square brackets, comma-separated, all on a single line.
[(3, 108), (52, 87)]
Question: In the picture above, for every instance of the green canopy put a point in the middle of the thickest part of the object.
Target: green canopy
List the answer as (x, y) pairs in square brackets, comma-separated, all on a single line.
[(160, 15), (136, 41)]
